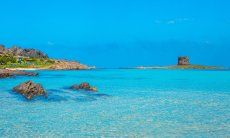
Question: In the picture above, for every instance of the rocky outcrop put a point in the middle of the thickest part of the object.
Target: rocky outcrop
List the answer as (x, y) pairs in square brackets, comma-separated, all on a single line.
[(84, 86), (24, 73), (4, 73), (68, 65), (25, 52), (30, 90)]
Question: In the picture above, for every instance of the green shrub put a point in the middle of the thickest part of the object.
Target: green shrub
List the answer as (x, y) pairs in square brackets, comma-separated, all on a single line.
[(7, 59)]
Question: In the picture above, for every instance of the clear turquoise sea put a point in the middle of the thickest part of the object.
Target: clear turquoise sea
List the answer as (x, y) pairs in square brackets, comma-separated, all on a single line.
[(130, 103)]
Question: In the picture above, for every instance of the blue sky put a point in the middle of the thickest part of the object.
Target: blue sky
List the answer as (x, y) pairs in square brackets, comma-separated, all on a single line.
[(120, 33)]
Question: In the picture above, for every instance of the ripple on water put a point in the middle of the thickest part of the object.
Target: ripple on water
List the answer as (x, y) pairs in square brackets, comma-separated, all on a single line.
[(129, 104)]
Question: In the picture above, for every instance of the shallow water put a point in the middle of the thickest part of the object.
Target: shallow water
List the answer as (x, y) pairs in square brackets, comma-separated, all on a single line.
[(131, 103)]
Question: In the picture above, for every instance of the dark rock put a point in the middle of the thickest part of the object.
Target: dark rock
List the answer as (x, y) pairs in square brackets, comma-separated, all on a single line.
[(5, 75), (30, 90), (84, 86)]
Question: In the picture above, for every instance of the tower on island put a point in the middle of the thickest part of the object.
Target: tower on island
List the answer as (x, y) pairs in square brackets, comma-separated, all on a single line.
[(183, 60)]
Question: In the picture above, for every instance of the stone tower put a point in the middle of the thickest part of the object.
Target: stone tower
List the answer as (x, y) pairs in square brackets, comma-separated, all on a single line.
[(183, 60)]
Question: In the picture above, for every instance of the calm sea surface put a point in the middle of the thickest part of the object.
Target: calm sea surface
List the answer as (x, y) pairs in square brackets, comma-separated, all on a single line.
[(130, 103)]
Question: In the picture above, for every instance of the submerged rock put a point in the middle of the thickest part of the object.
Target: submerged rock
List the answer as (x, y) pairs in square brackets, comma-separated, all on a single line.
[(84, 86), (30, 90)]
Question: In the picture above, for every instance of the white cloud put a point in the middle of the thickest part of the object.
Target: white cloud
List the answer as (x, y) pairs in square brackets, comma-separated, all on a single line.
[(207, 42), (158, 21), (173, 21), (183, 19)]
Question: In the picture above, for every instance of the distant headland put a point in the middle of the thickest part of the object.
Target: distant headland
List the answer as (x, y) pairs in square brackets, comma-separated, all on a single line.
[(182, 63), (29, 59)]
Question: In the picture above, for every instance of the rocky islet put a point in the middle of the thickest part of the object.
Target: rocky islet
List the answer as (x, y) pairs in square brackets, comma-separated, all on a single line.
[(84, 86), (30, 89)]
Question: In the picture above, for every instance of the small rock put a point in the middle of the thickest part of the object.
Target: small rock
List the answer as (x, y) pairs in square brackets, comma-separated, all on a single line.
[(84, 86), (30, 90)]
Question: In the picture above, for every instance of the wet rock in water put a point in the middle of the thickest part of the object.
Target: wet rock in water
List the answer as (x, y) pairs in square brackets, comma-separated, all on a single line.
[(30, 90), (5, 75), (84, 86)]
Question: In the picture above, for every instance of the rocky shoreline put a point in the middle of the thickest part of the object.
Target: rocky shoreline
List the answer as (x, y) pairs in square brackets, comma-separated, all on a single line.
[(17, 58), (67, 65), (6, 73)]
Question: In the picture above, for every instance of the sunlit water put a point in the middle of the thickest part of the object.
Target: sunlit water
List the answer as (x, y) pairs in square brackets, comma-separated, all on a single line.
[(130, 103)]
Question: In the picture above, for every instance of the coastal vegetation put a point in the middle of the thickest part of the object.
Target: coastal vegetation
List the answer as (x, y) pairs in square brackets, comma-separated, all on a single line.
[(7, 59), (10, 61), (17, 57)]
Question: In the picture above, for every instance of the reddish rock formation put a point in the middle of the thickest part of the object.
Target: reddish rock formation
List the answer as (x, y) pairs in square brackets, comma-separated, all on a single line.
[(30, 90), (183, 60), (4, 73), (84, 86), (25, 52), (67, 65)]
